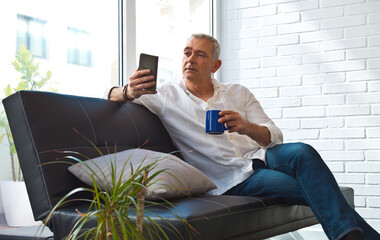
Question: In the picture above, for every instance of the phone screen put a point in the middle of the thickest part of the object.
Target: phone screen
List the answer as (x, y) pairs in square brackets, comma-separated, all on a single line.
[(149, 62)]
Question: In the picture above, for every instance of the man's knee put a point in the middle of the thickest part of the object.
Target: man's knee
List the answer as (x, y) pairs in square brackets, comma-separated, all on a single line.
[(302, 149), (291, 153), (300, 146)]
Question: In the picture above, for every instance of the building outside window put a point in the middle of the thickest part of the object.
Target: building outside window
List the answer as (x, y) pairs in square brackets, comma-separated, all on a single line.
[(31, 34), (79, 47)]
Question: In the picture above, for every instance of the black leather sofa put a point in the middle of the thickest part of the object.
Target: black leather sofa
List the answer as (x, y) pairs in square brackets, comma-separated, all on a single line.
[(43, 122)]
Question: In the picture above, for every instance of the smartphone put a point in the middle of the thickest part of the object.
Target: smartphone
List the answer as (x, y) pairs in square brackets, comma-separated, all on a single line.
[(149, 62)]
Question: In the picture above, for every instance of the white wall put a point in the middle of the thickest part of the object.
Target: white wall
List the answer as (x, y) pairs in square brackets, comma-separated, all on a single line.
[(315, 67)]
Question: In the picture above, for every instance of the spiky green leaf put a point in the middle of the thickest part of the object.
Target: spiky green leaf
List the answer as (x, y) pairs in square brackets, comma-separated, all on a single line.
[(1, 137)]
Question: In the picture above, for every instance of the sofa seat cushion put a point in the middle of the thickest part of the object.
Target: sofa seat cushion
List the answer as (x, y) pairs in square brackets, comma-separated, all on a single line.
[(219, 217)]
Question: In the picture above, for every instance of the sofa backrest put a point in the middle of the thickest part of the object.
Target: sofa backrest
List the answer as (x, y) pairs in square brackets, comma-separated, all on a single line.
[(44, 124)]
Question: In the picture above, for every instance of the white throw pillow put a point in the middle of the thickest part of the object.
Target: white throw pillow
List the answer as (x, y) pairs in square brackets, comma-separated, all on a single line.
[(179, 180)]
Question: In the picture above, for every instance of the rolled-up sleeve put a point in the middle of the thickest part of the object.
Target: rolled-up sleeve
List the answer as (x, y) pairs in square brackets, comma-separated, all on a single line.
[(256, 114), (275, 135)]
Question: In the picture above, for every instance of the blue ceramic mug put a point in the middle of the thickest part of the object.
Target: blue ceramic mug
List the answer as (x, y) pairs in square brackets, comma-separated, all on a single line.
[(212, 124)]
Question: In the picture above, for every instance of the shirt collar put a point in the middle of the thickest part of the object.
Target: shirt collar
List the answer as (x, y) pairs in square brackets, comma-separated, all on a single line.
[(217, 85)]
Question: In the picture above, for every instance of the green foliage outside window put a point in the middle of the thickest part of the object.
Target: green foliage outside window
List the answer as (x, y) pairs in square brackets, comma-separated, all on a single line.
[(30, 79)]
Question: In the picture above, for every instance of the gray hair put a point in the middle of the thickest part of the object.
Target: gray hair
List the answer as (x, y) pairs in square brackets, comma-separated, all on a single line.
[(216, 50)]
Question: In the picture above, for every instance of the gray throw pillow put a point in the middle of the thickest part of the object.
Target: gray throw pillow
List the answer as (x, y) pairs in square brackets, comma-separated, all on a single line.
[(179, 180)]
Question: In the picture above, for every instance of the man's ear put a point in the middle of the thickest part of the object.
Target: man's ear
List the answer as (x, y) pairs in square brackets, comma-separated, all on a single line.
[(216, 66)]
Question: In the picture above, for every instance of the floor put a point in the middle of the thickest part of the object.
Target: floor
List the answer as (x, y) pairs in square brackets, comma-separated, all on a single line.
[(310, 233), (25, 233)]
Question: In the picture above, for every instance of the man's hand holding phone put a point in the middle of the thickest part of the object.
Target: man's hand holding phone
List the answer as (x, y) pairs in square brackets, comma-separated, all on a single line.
[(149, 62), (144, 79), (140, 83)]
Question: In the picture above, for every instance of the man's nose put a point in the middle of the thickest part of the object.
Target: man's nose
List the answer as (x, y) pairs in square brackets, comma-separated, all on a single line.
[(191, 58)]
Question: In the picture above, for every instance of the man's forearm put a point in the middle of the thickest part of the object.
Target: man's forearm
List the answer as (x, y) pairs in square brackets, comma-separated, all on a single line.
[(260, 134), (116, 94)]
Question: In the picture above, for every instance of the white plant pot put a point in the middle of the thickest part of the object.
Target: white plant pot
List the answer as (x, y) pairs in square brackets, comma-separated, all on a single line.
[(17, 209)]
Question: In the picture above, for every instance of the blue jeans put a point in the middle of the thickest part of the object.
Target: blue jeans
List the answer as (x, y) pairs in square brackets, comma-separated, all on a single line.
[(296, 173)]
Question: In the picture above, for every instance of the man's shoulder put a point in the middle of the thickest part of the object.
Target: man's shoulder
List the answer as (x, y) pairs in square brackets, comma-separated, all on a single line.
[(234, 87)]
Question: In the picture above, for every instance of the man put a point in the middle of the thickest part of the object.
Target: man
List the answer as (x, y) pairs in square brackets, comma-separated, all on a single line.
[(250, 158)]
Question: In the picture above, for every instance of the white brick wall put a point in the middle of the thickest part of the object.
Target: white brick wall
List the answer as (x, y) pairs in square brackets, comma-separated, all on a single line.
[(315, 67)]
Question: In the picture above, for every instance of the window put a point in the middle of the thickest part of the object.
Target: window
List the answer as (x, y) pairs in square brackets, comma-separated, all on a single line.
[(75, 45), (79, 50), (31, 33), (165, 31)]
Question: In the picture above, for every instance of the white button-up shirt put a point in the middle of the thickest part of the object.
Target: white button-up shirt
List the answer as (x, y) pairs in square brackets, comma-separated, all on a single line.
[(227, 158)]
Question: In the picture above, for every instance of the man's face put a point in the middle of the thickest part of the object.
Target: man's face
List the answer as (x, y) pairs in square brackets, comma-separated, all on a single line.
[(197, 61)]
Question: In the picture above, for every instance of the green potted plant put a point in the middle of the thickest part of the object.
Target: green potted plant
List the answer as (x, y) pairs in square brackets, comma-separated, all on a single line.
[(30, 79)]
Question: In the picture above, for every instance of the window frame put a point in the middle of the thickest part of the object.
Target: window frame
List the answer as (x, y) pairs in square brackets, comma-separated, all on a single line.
[(127, 42)]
